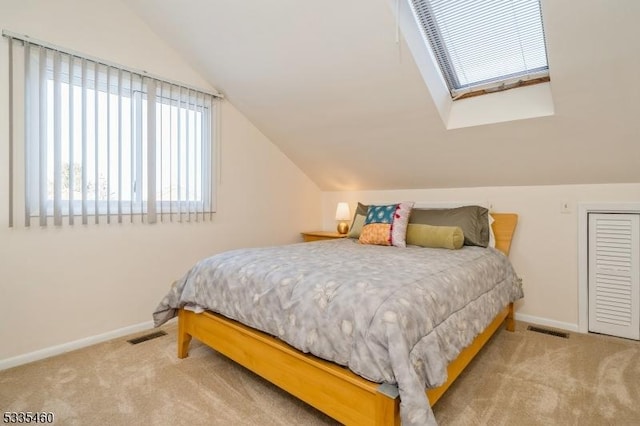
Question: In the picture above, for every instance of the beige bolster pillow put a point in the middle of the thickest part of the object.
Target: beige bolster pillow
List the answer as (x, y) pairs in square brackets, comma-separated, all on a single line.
[(450, 237)]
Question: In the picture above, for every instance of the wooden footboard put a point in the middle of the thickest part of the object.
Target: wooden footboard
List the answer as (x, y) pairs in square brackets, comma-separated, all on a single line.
[(330, 388)]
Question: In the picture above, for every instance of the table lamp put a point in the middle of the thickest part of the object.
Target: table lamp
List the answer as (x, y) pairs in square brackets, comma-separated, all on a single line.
[(343, 215)]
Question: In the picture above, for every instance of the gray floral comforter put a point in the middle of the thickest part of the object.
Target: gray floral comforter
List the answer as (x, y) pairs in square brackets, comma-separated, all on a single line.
[(392, 315)]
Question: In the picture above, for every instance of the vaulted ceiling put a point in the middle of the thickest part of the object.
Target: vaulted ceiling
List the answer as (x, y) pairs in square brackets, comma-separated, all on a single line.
[(329, 85)]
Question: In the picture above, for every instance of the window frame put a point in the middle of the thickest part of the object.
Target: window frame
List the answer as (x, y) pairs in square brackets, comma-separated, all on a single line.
[(137, 203), (146, 192), (433, 39)]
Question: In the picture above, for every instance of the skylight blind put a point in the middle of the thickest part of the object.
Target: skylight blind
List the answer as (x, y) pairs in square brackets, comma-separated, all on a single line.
[(482, 44), (106, 144)]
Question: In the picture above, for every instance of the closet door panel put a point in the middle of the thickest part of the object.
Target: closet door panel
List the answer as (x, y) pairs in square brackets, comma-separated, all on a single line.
[(614, 274)]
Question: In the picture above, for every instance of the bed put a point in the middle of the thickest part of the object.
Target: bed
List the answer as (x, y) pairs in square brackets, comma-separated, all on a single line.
[(378, 395)]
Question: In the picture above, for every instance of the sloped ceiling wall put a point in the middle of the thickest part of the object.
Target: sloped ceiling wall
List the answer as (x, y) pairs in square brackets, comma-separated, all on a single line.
[(328, 83)]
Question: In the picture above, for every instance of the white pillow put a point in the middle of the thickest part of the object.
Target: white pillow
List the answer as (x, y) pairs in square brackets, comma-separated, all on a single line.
[(400, 223), (492, 237)]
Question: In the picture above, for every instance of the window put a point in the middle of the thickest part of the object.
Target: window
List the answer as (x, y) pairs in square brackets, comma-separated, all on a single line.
[(484, 45), (103, 143)]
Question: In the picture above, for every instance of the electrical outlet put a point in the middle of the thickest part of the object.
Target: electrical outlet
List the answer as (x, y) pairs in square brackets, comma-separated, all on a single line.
[(565, 207)]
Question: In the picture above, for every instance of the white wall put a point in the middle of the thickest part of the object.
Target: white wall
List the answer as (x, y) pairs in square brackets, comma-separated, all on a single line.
[(545, 246), (60, 285)]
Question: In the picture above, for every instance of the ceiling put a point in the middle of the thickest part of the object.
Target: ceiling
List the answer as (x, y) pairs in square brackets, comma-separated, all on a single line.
[(330, 86)]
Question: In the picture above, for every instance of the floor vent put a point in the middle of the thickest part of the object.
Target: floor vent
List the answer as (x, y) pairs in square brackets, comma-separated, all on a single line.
[(550, 332), (147, 337)]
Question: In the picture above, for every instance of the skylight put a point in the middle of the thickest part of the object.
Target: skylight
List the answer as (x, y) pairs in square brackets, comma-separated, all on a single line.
[(484, 45)]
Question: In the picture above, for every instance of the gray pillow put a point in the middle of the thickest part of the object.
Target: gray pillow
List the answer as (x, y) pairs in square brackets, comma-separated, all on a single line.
[(358, 221), (356, 227), (473, 220)]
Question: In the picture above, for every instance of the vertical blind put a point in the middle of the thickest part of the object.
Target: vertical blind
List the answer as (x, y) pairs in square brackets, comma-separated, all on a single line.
[(106, 144), (483, 44)]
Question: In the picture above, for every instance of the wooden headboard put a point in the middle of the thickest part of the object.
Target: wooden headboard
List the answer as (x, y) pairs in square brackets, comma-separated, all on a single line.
[(504, 226)]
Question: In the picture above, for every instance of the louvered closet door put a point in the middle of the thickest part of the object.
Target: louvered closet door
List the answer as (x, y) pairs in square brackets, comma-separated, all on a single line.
[(614, 276)]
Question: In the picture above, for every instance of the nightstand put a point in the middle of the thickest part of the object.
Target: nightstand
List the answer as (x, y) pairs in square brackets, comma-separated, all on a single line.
[(321, 235)]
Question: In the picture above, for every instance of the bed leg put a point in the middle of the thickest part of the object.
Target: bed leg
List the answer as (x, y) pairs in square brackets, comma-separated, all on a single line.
[(184, 338), (511, 320)]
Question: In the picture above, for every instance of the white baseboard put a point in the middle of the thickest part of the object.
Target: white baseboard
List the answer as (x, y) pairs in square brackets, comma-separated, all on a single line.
[(547, 322), (82, 343), (71, 346)]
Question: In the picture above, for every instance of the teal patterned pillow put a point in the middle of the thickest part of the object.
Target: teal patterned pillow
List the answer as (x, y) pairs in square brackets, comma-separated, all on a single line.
[(381, 214)]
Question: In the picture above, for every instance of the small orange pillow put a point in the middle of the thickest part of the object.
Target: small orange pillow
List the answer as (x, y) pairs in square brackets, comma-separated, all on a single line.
[(376, 233)]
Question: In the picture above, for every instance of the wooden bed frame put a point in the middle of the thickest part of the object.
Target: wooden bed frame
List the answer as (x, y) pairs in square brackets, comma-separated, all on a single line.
[(330, 388)]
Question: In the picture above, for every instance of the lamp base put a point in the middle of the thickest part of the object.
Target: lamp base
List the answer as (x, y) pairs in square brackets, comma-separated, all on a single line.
[(343, 227)]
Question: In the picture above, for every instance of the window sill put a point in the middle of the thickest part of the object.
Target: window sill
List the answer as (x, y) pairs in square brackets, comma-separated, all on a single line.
[(510, 105)]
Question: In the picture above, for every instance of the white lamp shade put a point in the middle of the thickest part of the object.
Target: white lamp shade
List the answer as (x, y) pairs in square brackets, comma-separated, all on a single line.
[(342, 212)]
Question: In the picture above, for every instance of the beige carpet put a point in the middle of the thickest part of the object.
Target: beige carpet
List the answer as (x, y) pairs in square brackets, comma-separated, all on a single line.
[(519, 378), (528, 378)]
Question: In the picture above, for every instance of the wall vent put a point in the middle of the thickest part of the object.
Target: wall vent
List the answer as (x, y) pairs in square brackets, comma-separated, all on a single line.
[(147, 337), (549, 332)]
